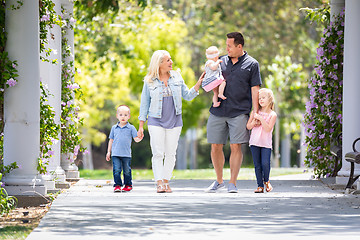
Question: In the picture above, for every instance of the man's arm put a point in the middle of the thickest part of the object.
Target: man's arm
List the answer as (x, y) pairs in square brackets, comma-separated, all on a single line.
[(255, 98)]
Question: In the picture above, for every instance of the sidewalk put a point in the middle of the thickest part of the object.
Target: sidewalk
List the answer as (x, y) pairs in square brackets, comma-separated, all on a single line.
[(295, 209)]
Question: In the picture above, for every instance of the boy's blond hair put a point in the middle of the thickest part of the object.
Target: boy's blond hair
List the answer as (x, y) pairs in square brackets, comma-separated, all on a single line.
[(123, 106)]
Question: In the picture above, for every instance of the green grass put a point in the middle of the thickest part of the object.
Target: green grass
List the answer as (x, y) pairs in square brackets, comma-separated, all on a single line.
[(14, 232), (146, 174)]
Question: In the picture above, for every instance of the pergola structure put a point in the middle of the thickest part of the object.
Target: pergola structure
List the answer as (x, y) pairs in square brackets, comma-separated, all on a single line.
[(22, 104)]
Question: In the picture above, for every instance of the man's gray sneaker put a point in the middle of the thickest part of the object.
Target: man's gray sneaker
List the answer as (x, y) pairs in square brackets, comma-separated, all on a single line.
[(214, 187), (232, 188)]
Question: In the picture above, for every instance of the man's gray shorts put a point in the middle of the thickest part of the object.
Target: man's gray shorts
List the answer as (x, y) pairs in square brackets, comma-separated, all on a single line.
[(219, 129)]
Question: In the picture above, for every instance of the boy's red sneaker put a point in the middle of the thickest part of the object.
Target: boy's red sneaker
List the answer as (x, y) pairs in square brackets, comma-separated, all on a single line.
[(127, 188), (117, 189)]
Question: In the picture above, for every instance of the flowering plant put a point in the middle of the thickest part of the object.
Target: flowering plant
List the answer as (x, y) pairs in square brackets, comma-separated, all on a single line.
[(49, 130), (70, 120), (323, 117)]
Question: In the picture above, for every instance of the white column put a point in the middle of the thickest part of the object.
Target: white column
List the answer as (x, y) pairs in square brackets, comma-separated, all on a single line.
[(51, 76), (351, 87), (71, 170), (22, 102), (336, 7)]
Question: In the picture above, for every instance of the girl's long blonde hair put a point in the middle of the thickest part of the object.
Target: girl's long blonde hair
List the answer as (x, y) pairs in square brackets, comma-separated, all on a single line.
[(270, 95), (155, 62)]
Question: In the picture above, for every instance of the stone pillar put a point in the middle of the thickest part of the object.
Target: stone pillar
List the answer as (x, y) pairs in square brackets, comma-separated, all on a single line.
[(336, 7), (286, 151), (351, 87), (71, 170), (22, 102), (51, 76)]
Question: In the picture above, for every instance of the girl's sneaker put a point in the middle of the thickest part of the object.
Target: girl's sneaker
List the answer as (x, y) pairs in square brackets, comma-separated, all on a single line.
[(117, 189), (127, 188)]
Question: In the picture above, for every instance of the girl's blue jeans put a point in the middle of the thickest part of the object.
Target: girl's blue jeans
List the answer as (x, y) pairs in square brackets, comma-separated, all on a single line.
[(261, 157), (122, 164)]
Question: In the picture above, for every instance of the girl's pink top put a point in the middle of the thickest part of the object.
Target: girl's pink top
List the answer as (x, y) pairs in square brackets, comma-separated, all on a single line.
[(260, 137)]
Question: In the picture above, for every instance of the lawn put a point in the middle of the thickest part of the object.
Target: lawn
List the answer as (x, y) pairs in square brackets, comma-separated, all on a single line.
[(145, 174)]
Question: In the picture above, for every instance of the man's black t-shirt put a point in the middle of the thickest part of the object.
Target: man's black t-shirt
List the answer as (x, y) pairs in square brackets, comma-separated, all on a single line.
[(240, 77)]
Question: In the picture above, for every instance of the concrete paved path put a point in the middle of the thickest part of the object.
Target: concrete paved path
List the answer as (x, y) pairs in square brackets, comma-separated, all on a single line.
[(296, 209)]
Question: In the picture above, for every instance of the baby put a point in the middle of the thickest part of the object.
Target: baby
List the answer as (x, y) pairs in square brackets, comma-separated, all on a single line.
[(213, 79)]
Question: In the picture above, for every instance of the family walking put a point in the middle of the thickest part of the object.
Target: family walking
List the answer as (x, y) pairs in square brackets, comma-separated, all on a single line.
[(235, 81)]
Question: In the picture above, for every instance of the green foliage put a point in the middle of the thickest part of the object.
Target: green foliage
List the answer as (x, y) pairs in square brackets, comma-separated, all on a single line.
[(93, 8), (6, 202), (48, 18), (115, 61), (323, 118), (318, 15), (71, 92), (49, 130), (287, 80)]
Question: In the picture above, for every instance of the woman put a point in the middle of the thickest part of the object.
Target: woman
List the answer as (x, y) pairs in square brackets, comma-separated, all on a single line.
[(161, 98)]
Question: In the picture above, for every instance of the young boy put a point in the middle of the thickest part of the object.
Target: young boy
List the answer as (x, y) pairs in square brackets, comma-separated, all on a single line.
[(119, 148)]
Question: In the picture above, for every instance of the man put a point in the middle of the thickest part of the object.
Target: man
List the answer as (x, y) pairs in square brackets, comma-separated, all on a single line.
[(243, 80)]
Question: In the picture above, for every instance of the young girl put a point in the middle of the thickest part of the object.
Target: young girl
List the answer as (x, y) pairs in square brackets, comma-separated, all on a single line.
[(261, 125), (213, 79)]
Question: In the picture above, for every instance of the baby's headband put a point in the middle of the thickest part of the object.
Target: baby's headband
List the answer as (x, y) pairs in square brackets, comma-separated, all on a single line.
[(212, 55)]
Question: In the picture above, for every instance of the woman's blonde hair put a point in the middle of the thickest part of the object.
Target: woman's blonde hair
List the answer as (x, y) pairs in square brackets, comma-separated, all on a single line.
[(155, 62), (270, 95)]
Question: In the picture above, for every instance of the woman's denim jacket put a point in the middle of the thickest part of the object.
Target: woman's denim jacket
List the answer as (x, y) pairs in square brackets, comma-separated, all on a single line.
[(152, 95)]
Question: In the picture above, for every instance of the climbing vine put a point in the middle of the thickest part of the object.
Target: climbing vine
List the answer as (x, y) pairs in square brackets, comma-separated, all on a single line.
[(71, 91), (323, 117)]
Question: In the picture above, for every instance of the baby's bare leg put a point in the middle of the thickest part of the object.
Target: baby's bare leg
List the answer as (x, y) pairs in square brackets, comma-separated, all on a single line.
[(221, 90), (216, 103)]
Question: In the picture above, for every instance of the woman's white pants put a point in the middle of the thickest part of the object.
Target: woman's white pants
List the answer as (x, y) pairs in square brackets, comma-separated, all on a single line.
[(163, 144)]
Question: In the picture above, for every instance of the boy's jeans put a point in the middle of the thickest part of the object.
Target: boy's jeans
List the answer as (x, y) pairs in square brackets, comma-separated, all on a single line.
[(122, 164), (261, 157), (163, 144)]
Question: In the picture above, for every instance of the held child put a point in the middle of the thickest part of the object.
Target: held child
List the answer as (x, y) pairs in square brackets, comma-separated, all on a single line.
[(119, 148), (213, 79), (261, 125)]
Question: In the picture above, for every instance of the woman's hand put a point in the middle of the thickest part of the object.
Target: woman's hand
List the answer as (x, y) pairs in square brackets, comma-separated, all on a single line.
[(198, 84), (140, 133)]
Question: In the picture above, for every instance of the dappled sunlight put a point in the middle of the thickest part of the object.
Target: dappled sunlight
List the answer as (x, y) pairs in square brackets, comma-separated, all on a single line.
[(296, 208)]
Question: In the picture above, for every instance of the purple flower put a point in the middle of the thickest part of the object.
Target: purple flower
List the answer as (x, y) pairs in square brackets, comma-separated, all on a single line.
[(339, 33), (327, 103), (50, 153), (320, 51), (14, 65), (76, 150), (333, 57), (332, 46), (11, 82), (335, 66), (2, 184), (45, 18), (322, 91)]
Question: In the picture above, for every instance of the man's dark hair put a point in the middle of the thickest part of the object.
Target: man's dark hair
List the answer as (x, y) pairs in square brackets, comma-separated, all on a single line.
[(238, 38)]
